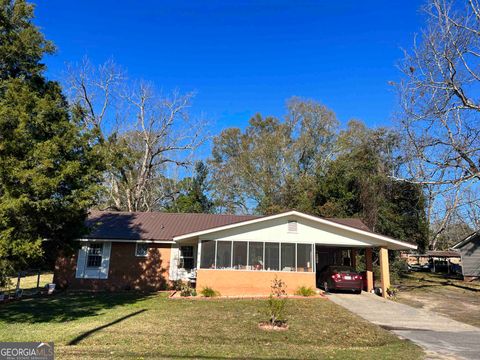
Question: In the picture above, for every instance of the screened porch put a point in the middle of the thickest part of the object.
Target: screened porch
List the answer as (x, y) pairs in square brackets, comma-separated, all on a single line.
[(256, 256)]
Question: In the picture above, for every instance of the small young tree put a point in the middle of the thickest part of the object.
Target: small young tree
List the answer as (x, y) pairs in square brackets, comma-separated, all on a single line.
[(276, 302)]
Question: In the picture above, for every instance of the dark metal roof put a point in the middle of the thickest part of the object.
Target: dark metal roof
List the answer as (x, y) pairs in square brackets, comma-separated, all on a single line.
[(465, 241), (438, 253), (154, 225), (165, 226)]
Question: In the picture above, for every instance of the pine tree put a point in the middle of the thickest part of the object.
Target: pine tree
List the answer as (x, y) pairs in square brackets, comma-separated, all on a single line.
[(193, 197), (48, 166)]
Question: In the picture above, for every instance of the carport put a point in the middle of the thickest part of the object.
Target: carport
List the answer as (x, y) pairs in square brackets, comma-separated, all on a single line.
[(333, 255)]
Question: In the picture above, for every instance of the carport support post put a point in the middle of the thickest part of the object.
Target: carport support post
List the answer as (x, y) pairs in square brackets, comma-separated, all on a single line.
[(369, 268), (384, 270)]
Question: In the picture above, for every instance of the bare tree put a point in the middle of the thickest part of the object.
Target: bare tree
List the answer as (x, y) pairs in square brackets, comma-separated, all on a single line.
[(441, 107), (143, 133)]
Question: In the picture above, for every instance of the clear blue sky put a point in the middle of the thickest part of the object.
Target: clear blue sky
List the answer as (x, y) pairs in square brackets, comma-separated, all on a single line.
[(243, 57)]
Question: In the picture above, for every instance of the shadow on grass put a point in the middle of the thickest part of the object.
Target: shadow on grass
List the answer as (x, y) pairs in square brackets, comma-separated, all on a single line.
[(168, 356), (86, 334), (65, 307), (434, 280)]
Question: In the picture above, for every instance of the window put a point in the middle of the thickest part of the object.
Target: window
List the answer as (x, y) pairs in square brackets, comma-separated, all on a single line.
[(272, 256), (207, 260), (255, 256), (93, 260), (186, 257), (288, 257), (94, 255), (224, 254), (304, 257), (240, 255), (141, 249)]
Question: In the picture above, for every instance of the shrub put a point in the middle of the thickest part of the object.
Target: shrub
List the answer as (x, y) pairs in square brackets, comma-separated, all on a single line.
[(305, 291), (5, 272), (392, 291), (398, 269), (187, 290), (209, 292), (276, 302), (176, 285)]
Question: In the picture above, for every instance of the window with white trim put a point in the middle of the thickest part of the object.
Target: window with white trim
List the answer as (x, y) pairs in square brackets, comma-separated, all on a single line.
[(224, 254), (208, 254), (288, 257), (240, 253), (304, 257), (94, 255), (187, 261), (255, 256), (141, 249), (272, 256), (93, 260)]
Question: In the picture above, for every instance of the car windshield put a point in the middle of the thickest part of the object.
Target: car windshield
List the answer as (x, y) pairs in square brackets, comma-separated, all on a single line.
[(341, 269)]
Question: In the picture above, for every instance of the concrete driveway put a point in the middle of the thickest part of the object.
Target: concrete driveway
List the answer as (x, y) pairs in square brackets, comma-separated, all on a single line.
[(441, 337)]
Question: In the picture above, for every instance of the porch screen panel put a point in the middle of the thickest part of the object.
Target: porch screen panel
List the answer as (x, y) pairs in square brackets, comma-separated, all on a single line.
[(255, 256), (304, 257), (224, 255), (207, 259), (288, 257), (272, 256), (240, 255)]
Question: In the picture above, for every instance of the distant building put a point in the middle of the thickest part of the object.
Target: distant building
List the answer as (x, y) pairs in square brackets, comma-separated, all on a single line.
[(435, 261), (469, 249)]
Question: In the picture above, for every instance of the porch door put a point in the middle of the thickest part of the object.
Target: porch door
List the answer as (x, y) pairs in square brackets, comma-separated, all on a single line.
[(323, 258)]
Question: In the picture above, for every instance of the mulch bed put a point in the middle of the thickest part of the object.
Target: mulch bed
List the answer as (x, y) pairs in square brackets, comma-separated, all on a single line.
[(278, 326), (176, 295)]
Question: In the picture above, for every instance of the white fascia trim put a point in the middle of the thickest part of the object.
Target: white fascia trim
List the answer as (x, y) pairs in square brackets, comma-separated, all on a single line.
[(127, 241), (301, 215)]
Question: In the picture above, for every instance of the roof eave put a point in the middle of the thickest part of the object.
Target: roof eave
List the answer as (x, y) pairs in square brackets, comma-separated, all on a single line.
[(394, 244)]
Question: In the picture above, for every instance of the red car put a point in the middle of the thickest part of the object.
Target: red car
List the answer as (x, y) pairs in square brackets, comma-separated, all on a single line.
[(335, 277)]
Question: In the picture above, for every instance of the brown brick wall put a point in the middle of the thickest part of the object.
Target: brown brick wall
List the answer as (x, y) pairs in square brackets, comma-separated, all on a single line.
[(236, 282), (126, 271)]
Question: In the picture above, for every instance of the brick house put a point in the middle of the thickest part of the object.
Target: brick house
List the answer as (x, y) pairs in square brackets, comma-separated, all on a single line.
[(234, 254)]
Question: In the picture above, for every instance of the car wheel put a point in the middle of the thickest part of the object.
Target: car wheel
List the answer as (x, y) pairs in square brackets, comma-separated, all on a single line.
[(359, 291), (325, 286)]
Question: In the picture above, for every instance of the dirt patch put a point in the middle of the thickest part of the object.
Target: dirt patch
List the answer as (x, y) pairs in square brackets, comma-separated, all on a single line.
[(430, 292), (278, 326)]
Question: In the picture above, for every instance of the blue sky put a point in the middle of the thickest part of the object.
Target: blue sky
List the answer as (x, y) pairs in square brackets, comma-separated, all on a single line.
[(243, 57)]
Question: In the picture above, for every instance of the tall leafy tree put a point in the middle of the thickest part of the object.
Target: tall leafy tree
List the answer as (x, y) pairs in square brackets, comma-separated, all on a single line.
[(360, 183), (192, 195), (304, 163), (48, 166), (252, 169)]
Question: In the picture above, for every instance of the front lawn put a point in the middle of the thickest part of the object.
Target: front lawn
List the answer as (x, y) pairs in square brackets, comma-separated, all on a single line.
[(132, 325)]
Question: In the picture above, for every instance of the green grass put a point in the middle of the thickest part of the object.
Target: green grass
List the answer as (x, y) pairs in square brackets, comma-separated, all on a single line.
[(132, 325), (29, 283)]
